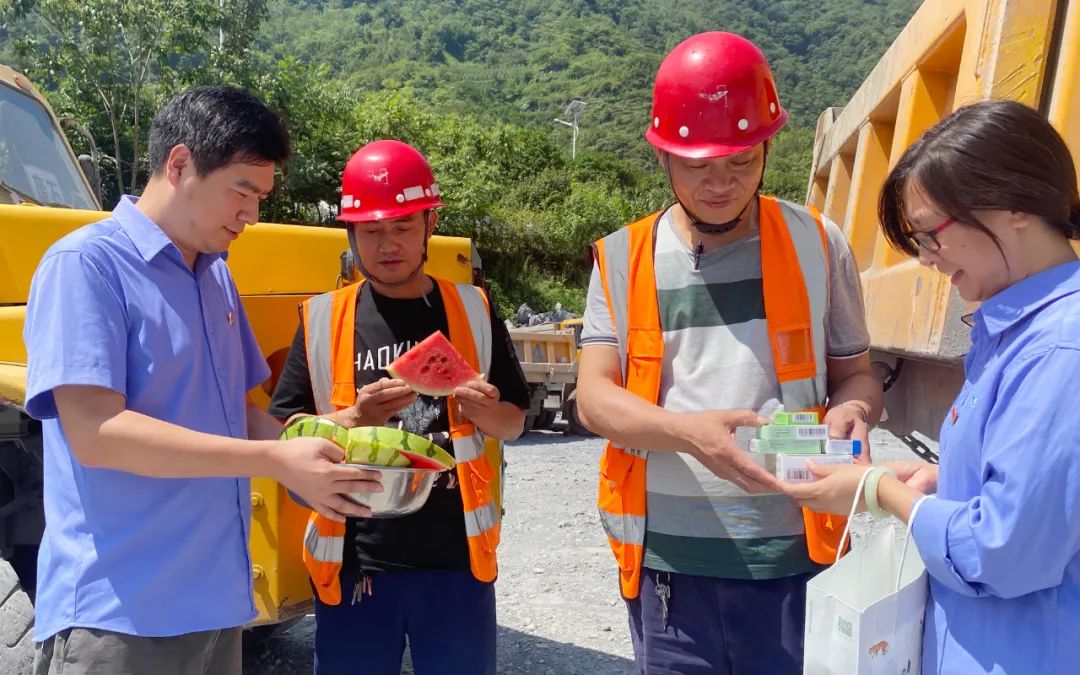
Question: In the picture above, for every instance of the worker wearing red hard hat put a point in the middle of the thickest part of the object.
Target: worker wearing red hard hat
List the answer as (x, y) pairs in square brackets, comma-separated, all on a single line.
[(426, 578), (701, 321)]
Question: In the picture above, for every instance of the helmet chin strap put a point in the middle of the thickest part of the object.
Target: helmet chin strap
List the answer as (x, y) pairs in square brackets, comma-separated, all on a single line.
[(407, 280)]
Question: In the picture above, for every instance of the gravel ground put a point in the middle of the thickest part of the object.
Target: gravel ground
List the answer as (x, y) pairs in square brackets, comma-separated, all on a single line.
[(558, 603)]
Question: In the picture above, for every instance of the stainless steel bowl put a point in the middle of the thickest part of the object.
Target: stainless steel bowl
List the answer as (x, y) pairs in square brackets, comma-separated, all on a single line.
[(405, 490)]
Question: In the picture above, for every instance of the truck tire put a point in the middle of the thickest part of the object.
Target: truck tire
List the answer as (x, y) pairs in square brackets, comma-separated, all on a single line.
[(544, 420), (16, 624), (530, 420), (255, 638), (573, 422)]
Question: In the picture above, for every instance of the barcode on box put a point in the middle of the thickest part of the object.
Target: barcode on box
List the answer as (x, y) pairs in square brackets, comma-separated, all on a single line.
[(804, 418), (798, 474), (817, 433)]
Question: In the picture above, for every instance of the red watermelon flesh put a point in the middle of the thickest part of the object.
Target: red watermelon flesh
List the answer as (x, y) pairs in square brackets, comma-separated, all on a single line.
[(418, 461), (433, 367)]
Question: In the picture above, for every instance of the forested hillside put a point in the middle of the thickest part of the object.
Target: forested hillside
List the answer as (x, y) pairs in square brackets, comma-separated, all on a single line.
[(475, 84), (522, 62)]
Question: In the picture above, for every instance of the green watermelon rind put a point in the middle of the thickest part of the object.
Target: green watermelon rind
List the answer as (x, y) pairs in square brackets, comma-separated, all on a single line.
[(313, 425), (369, 445), (373, 446), (386, 444), (434, 343)]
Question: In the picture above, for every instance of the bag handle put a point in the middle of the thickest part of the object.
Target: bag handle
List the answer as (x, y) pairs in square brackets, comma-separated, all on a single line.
[(854, 508), (907, 538), (907, 534)]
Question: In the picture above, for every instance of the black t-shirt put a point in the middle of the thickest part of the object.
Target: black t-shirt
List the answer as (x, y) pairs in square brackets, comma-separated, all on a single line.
[(434, 536)]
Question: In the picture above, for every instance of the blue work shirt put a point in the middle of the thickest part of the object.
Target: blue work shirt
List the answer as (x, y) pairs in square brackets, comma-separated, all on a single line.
[(114, 305), (1001, 541)]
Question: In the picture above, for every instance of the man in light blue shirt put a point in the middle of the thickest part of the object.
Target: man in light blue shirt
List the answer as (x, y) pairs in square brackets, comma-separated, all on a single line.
[(140, 360)]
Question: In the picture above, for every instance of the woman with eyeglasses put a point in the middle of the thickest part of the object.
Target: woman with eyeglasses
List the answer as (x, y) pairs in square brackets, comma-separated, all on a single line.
[(988, 196)]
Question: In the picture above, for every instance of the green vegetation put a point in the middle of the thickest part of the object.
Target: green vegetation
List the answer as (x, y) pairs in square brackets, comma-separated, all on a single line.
[(475, 84)]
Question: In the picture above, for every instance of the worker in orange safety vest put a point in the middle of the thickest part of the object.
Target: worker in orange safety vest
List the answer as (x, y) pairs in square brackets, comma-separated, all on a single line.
[(427, 577), (701, 320)]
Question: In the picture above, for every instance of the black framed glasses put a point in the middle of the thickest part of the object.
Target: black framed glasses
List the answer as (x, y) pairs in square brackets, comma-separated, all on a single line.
[(927, 239)]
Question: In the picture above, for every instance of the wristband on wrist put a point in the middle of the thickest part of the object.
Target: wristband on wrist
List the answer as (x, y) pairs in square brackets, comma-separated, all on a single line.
[(870, 495)]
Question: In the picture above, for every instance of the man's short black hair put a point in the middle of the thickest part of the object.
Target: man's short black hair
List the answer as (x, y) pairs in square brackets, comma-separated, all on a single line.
[(220, 125)]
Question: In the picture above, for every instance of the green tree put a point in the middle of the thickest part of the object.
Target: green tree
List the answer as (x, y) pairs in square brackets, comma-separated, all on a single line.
[(109, 62)]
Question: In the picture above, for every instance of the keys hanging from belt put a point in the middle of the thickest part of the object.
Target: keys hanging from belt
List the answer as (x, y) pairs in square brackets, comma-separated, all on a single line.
[(663, 591)]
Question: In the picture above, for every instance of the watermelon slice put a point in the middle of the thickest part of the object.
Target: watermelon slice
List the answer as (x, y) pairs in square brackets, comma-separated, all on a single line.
[(312, 425), (384, 446), (433, 367), (371, 445), (422, 462), (376, 446)]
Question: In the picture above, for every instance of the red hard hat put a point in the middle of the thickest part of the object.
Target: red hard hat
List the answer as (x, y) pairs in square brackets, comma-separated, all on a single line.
[(387, 179), (714, 95)]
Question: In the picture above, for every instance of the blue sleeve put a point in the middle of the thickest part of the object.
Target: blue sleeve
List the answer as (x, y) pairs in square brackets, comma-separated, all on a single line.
[(256, 370), (1023, 528), (75, 331)]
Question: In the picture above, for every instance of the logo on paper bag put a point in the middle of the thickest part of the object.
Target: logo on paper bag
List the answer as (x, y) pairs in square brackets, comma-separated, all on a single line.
[(844, 626), (880, 649)]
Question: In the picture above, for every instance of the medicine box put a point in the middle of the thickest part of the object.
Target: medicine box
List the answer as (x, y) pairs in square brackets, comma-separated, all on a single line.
[(793, 469), (793, 418), (777, 432), (765, 447)]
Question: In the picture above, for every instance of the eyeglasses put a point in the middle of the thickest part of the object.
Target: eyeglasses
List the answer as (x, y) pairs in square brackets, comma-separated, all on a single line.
[(927, 239)]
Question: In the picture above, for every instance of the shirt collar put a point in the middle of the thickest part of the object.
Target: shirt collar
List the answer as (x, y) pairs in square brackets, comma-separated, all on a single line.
[(149, 239), (1027, 296)]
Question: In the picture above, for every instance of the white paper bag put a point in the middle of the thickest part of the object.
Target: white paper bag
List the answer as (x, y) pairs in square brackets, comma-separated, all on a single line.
[(865, 613)]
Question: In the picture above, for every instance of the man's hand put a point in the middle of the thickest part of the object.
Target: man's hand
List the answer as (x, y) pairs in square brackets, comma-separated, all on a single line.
[(711, 440), (478, 400), (376, 403), (922, 476), (311, 467), (850, 420)]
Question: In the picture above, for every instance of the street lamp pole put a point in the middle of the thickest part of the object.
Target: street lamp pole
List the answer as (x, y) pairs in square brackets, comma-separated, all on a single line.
[(573, 111)]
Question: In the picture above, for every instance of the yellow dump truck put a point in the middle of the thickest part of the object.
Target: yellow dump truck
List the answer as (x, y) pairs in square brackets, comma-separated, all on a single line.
[(44, 194), (952, 52), (548, 354)]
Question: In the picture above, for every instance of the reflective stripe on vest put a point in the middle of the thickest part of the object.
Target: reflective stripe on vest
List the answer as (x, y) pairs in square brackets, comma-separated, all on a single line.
[(795, 280), (329, 322)]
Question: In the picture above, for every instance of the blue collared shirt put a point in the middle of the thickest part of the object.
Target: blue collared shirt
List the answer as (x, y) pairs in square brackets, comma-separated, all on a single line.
[(1002, 541), (114, 305)]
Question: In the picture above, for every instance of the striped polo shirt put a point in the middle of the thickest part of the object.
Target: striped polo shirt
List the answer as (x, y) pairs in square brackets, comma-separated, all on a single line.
[(717, 356)]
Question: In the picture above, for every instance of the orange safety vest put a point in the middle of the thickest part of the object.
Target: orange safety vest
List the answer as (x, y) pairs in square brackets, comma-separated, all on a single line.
[(794, 266), (329, 334)]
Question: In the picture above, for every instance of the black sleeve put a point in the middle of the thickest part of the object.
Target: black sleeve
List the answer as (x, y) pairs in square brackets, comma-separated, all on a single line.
[(293, 391), (506, 372)]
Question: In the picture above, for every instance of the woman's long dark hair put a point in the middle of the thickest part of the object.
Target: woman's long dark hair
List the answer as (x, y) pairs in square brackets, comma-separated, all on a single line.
[(987, 156)]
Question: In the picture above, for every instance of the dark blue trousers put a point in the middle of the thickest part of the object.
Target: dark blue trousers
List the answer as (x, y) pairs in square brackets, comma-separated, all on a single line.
[(448, 616), (719, 626)]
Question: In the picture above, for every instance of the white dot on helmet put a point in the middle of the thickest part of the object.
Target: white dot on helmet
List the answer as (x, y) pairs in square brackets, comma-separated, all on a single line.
[(744, 125), (656, 122), (772, 108), (400, 198), (684, 131)]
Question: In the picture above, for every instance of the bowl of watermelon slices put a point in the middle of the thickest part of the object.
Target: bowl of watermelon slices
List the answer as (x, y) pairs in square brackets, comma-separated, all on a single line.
[(408, 463)]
